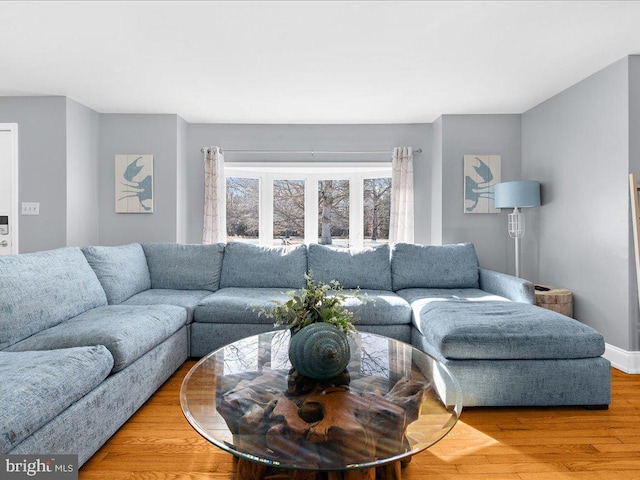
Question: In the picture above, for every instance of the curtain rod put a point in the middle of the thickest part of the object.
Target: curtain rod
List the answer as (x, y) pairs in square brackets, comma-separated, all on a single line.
[(312, 152)]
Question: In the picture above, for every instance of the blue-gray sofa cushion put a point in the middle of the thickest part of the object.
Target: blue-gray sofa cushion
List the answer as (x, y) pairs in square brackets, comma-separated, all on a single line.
[(434, 266), (128, 331), (184, 266), (252, 266), (368, 268), (122, 270), (162, 296), (494, 330), (238, 305), (421, 298), (377, 307), (40, 290), (37, 386)]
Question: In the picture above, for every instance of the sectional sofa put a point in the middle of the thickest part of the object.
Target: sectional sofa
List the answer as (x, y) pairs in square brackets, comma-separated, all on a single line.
[(87, 335)]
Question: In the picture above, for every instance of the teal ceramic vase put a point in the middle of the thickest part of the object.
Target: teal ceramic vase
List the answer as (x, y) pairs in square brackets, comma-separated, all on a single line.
[(319, 351)]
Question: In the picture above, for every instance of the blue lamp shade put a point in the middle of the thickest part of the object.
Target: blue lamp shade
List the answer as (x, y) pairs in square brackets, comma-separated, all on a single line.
[(523, 193)]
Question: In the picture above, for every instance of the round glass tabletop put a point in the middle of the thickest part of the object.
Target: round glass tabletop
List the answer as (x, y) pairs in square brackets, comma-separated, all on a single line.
[(386, 406)]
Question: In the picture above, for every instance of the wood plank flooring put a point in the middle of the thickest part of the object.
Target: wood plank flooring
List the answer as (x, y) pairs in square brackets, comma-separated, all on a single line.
[(556, 443)]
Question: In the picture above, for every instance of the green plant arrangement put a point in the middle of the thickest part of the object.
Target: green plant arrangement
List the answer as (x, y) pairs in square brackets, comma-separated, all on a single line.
[(316, 302)]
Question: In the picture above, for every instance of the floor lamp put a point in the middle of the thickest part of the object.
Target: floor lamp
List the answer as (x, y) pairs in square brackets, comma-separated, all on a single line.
[(516, 195)]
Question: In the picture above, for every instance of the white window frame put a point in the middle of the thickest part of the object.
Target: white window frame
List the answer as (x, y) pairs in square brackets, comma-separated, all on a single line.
[(267, 172)]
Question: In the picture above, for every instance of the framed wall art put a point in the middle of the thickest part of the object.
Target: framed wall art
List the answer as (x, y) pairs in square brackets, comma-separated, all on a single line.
[(134, 183), (481, 174)]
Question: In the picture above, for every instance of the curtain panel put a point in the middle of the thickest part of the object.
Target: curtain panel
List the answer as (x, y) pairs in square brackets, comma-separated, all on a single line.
[(401, 221), (214, 228)]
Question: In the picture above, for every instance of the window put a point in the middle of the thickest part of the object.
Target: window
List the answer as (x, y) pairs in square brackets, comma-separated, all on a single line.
[(340, 204), (288, 211), (333, 212), (243, 207), (377, 209)]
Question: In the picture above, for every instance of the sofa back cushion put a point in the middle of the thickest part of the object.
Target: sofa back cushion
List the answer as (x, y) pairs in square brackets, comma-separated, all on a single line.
[(246, 265), (122, 270), (368, 268), (434, 266), (184, 267), (40, 290)]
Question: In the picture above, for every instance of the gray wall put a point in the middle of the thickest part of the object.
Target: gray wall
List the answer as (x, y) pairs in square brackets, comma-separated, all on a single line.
[(83, 140), (67, 164), (182, 187), (143, 134), (436, 184), (634, 166), (481, 135), (307, 137), (577, 145), (42, 155)]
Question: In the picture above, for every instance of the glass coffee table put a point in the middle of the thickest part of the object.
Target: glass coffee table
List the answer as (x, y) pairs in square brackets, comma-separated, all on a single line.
[(387, 406)]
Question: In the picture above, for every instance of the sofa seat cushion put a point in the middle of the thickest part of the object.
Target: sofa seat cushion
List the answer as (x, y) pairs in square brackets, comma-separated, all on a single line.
[(353, 268), (495, 330), (122, 270), (238, 305), (163, 296), (377, 307), (40, 290), (37, 386), (128, 331), (421, 298), (184, 266)]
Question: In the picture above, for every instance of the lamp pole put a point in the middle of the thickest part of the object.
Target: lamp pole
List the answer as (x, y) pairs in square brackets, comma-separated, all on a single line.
[(517, 257), (516, 231)]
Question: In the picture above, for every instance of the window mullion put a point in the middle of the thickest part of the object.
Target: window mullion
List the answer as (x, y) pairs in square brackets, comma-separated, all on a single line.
[(311, 210), (266, 210), (356, 211)]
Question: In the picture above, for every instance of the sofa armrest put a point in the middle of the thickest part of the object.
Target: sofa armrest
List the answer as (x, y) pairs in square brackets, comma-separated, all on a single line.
[(514, 288)]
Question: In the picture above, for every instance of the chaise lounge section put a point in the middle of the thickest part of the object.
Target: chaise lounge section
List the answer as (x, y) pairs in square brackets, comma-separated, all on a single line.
[(484, 327)]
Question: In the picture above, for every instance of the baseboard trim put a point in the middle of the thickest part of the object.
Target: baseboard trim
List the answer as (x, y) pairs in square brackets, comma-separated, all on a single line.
[(628, 362)]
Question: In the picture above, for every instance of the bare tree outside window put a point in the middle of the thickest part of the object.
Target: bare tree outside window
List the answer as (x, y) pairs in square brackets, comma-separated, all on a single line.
[(243, 209), (377, 209), (333, 212), (288, 211)]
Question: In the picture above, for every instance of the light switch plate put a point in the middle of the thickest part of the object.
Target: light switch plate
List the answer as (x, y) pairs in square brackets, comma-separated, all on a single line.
[(30, 208)]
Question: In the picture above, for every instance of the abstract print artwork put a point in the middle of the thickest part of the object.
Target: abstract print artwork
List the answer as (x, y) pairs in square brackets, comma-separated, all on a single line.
[(134, 183), (481, 174)]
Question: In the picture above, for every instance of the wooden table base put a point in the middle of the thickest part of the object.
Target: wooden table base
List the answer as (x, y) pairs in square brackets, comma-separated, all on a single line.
[(248, 470)]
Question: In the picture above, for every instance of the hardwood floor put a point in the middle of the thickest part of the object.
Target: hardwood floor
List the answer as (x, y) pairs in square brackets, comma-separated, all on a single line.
[(487, 443)]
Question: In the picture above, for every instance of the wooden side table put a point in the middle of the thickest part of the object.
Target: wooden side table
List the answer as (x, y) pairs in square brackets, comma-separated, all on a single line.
[(557, 299)]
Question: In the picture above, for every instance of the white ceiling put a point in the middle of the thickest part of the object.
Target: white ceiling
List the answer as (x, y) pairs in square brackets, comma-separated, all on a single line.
[(310, 62)]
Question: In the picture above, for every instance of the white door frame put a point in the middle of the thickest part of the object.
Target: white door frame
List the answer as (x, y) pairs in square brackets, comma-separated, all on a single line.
[(12, 128)]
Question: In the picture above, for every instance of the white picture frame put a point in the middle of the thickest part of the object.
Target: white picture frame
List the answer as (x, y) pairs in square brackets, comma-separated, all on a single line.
[(134, 183)]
